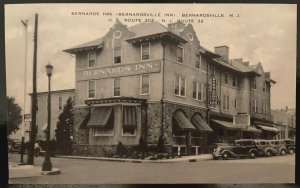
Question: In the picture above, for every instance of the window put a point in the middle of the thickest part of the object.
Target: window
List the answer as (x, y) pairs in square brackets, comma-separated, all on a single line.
[(108, 128), (264, 108), (226, 77), (59, 102), (254, 83), (145, 84), (255, 106), (199, 62), (179, 54), (235, 104), (179, 86), (198, 91), (226, 102), (212, 71), (265, 87), (117, 87), (91, 59), (91, 89), (145, 48), (129, 121), (117, 55), (233, 81)]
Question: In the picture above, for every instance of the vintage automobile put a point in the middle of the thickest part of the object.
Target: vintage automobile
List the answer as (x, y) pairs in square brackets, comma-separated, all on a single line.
[(14, 146), (265, 148), (290, 145), (279, 146), (240, 149)]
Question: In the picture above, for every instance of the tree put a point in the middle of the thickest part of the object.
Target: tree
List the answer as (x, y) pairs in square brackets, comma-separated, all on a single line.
[(64, 128), (14, 115)]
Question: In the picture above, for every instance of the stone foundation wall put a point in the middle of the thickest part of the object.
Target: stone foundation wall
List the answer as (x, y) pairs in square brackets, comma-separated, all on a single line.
[(81, 135), (153, 123), (93, 150)]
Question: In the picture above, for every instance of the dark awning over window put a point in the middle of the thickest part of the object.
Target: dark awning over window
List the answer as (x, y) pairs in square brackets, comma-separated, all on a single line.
[(267, 128), (85, 121), (182, 121), (100, 116), (200, 124), (129, 116), (225, 124)]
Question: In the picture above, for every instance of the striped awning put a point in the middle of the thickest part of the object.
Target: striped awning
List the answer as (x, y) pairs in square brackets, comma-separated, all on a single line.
[(267, 128), (182, 121), (129, 117), (100, 116), (225, 124), (251, 129), (200, 123)]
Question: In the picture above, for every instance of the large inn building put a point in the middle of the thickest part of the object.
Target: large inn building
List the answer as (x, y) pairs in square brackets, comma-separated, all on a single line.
[(149, 80)]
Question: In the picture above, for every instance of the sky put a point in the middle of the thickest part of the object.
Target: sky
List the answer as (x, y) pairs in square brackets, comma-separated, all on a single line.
[(261, 33)]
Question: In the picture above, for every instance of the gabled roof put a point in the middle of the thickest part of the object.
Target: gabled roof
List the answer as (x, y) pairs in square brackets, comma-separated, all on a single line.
[(97, 43), (145, 29), (244, 68), (142, 30), (225, 64)]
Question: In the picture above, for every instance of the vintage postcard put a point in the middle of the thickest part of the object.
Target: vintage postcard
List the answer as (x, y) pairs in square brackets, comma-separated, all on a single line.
[(151, 93)]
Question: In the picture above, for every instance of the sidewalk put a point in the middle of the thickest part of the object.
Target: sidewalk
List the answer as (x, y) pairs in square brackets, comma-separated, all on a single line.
[(23, 171), (202, 157)]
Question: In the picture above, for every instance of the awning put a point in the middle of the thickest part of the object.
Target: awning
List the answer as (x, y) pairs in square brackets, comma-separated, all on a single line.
[(251, 129), (85, 121), (182, 121), (200, 124), (99, 117), (225, 124), (271, 129), (129, 116)]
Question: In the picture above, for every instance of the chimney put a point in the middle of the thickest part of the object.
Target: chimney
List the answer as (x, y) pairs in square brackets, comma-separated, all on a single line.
[(223, 51), (286, 108), (176, 26), (238, 60)]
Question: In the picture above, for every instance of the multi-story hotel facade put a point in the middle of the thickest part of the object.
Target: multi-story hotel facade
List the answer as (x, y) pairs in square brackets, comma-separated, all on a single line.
[(149, 81)]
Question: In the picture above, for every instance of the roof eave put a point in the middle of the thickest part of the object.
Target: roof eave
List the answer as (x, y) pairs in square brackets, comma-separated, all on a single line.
[(86, 48), (154, 36)]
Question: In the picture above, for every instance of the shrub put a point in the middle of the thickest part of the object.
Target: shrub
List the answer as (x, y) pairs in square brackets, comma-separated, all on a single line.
[(121, 150)]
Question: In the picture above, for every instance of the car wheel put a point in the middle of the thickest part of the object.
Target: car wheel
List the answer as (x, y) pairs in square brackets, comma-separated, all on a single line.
[(225, 156), (268, 154), (282, 152), (292, 151), (252, 155)]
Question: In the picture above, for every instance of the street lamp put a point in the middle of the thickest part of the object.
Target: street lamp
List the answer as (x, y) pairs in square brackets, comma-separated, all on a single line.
[(47, 165)]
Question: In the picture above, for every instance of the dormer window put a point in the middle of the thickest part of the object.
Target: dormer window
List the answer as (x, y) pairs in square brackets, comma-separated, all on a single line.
[(180, 54), (145, 51), (91, 59), (117, 55), (265, 87)]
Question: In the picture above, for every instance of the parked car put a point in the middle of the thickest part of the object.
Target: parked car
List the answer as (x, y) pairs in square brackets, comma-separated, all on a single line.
[(14, 146), (279, 146), (240, 149), (265, 148), (290, 145)]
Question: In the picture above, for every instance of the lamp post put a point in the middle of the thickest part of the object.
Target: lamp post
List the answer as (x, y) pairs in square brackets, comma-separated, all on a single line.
[(47, 165)]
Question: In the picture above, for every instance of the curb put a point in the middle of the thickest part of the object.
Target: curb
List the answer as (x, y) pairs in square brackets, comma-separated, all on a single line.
[(194, 159), (52, 172)]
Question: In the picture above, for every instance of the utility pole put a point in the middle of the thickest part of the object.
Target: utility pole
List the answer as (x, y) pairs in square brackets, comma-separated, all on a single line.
[(25, 89), (34, 98)]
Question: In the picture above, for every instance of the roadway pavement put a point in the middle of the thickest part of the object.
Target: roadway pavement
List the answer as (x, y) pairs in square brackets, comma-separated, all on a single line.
[(279, 169)]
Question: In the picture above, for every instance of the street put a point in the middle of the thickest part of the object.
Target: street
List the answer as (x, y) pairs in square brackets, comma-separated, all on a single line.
[(279, 169)]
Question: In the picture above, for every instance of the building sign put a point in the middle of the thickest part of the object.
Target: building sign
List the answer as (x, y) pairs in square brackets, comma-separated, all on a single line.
[(242, 120), (118, 71), (214, 99)]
